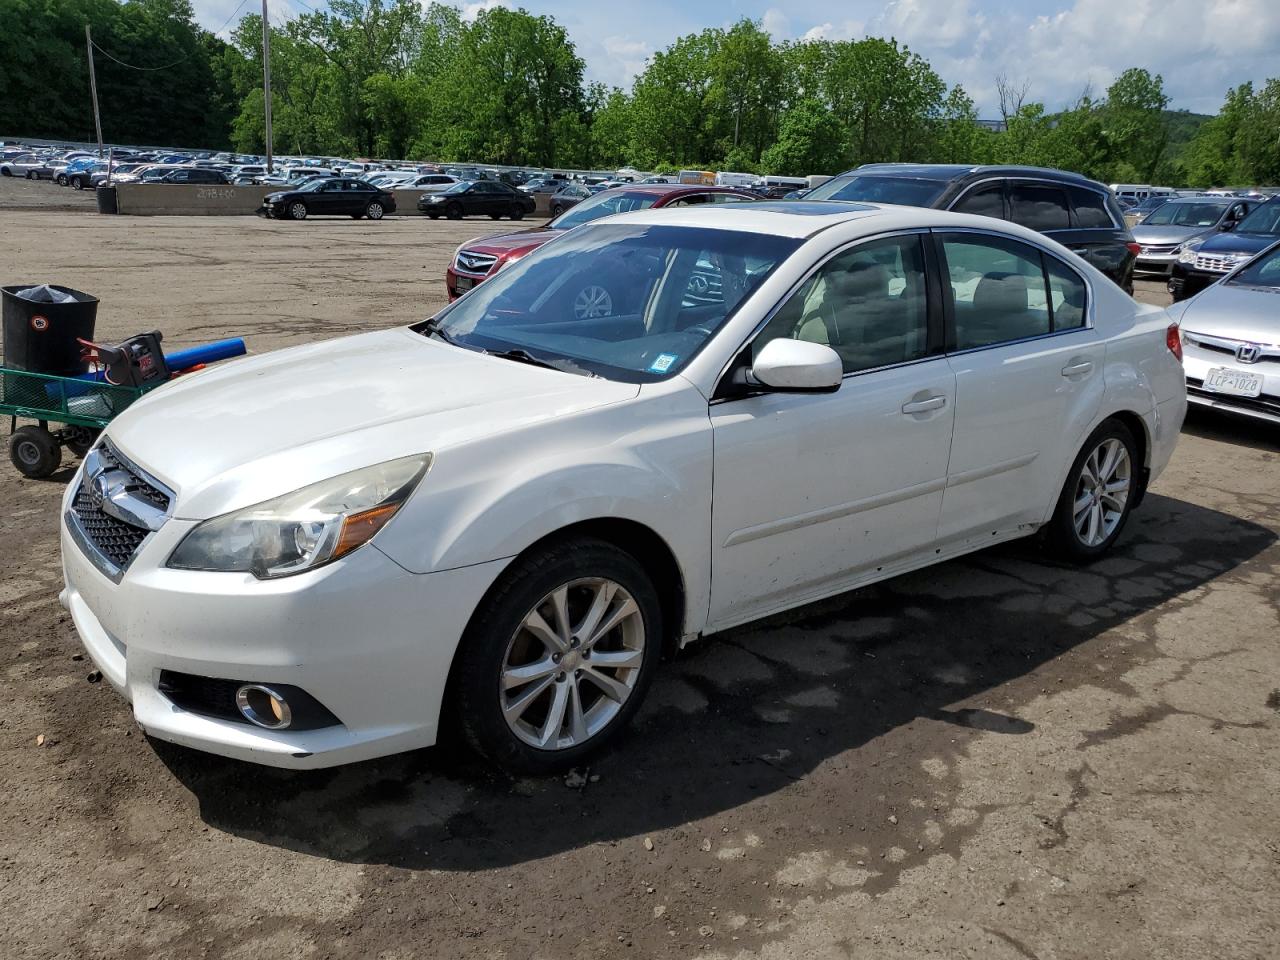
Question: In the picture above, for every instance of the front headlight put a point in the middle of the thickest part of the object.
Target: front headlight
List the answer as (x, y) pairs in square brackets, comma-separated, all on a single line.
[(1187, 252), (304, 529)]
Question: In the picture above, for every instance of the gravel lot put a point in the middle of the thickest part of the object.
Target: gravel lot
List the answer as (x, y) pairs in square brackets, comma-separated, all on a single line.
[(997, 758)]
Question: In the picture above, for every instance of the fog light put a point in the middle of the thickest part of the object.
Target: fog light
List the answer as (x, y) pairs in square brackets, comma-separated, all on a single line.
[(263, 707)]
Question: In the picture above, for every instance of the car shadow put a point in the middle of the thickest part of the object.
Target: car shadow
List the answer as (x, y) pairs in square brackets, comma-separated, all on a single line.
[(1231, 428), (744, 714)]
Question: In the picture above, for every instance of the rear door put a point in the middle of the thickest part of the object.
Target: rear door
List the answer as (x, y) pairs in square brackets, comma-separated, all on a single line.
[(1029, 376), (1099, 234)]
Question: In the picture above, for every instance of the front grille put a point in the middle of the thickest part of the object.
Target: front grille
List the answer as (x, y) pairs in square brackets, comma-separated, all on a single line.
[(470, 261), (1216, 264), (1160, 248), (111, 538)]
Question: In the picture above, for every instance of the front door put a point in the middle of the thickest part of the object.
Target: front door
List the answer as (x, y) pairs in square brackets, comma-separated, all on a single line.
[(813, 492)]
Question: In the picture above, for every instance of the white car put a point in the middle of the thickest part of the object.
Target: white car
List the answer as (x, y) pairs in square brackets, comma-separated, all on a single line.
[(23, 165), (508, 513)]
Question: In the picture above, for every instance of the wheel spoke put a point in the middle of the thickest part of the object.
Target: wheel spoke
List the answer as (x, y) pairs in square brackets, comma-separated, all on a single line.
[(577, 720), (599, 605), (1095, 523), (1081, 505), (550, 731), (516, 708), (625, 609), (617, 659), (1110, 460), (615, 690), (519, 676), (560, 610), (539, 627)]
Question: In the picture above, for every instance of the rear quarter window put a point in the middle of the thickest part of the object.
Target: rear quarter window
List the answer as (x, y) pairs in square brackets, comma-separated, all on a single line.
[(1090, 208)]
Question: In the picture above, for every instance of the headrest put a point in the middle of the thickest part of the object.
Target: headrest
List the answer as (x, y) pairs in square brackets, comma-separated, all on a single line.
[(1001, 293), (862, 280)]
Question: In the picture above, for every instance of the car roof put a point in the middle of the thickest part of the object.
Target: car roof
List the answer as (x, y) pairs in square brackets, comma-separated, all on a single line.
[(960, 171), (788, 218)]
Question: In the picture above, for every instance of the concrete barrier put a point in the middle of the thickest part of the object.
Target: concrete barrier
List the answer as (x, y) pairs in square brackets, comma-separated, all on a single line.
[(188, 199)]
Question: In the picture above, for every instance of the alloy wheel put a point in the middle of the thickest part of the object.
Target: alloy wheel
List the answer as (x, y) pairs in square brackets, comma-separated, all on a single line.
[(572, 663), (375, 211), (593, 301), (1102, 492), (298, 211)]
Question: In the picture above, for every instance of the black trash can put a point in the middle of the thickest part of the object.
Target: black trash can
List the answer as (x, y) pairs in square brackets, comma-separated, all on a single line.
[(42, 337), (107, 199)]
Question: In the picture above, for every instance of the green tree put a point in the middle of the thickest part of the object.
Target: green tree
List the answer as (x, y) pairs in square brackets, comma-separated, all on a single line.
[(810, 140)]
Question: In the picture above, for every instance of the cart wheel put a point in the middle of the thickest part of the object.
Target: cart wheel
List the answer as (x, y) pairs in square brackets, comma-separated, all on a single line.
[(80, 439), (34, 452)]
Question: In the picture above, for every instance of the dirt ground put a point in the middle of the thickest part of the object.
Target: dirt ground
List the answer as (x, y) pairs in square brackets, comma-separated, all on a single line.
[(998, 758)]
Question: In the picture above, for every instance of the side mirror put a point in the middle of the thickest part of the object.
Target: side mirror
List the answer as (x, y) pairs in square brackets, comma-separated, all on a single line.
[(798, 366), (1228, 225)]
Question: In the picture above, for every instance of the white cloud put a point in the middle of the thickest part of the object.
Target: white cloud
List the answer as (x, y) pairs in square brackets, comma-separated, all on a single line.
[(776, 23), (472, 10)]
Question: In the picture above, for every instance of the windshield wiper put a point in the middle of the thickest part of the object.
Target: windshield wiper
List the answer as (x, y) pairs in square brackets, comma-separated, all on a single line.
[(524, 356), (432, 329)]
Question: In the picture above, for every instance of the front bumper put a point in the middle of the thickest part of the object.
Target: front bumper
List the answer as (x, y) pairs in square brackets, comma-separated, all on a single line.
[(368, 640), (1266, 406), (1160, 264), (457, 282)]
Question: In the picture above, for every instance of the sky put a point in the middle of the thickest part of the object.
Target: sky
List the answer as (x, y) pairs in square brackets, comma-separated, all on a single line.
[(1200, 47)]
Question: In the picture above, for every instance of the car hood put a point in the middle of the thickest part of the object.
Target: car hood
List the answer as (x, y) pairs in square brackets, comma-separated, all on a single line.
[(1235, 312), (1165, 233), (253, 429), (508, 242), (1238, 242)]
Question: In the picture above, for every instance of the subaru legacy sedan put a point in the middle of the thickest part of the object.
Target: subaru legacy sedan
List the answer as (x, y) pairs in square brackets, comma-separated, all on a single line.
[(499, 520)]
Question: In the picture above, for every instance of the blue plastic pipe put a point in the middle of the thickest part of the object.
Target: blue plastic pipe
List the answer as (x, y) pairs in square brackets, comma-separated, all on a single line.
[(177, 361)]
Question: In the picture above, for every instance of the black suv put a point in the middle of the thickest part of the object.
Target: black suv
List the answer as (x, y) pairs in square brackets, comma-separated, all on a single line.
[(1079, 213)]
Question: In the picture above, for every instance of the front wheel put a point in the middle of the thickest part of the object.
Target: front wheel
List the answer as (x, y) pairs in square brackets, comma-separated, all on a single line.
[(31, 175), (77, 183), (1098, 496), (298, 210), (35, 452), (62, 179), (454, 211), (558, 657), (374, 211)]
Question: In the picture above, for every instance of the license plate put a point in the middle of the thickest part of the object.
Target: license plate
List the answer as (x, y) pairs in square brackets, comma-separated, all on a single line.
[(464, 283), (1233, 382)]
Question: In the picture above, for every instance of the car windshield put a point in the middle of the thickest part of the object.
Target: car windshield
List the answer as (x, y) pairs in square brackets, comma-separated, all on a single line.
[(459, 187), (628, 301), (909, 191), (1264, 219), (604, 205), (1198, 214), (1262, 272)]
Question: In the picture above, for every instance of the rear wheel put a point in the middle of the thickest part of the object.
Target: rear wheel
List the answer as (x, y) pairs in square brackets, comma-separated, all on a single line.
[(374, 210), (35, 452), (298, 210), (77, 183), (1098, 496), (559, 656), (556, 210), (62, 179)]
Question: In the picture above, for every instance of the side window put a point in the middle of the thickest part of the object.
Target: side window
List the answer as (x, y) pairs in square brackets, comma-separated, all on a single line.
[(691, 200), (1067, 295), (726, 198), (997, 288), (987, 201), (868, 304), (1038, 207), (1090, 208)]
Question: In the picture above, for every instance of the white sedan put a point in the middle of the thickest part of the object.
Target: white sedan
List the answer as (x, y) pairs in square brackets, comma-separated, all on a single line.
[(500, 518)]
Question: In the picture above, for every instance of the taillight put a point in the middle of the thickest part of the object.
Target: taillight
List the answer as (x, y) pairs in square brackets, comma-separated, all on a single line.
[(1173, 340), (1134, 248)]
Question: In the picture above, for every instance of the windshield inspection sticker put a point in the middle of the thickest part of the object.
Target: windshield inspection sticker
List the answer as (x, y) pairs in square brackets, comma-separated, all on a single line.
[(662, 362)]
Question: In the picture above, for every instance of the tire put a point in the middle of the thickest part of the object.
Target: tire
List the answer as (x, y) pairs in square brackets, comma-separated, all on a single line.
[(1087, 522), (31, 175), (62, 179), (517, 212), (77, 183), (374, 211), (34, 452), (80, 439), (297, 210), (453, 211), (5, 172), (497, 642)]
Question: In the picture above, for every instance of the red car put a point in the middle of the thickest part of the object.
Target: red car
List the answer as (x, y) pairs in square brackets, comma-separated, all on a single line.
[(485, 256)]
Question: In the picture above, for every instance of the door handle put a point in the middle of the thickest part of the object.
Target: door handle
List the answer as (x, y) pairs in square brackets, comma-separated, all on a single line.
[(925, 406), (1077, 368)]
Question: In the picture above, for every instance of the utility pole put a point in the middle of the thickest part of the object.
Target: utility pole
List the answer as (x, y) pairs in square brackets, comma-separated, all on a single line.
[(93, 86), (266, 79)]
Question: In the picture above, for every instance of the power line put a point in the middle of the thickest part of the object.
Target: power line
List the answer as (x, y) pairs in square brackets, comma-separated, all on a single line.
[(168, 66)]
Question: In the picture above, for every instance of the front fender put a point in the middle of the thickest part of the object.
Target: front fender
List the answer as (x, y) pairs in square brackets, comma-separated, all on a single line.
[(647, 462)]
